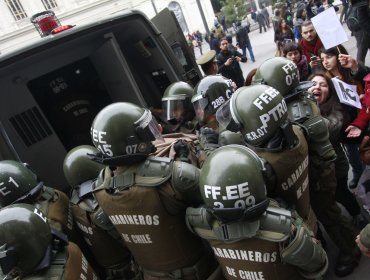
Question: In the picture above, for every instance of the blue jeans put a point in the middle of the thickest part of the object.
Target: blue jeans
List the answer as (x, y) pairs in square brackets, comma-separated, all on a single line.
[(353, 155), (249, 47)]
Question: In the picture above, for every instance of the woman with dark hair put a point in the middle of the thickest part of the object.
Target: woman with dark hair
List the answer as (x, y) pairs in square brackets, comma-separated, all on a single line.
[(294, 52), (300, 17), (283, 35), (338, 118), (333, 67), (287, 15)]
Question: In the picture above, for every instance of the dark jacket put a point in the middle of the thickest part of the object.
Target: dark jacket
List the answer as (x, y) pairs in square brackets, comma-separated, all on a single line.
[(242, 36), (233, 71), (260, 18)]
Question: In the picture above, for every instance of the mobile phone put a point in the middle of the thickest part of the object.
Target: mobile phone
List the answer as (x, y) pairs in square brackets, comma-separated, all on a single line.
[(313, 58)]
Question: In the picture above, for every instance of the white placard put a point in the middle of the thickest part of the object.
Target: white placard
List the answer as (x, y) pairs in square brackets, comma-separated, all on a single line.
[(347, 93), (329, 29)]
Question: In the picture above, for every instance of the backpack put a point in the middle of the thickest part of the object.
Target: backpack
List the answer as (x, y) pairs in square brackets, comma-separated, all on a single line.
[(352, 21)]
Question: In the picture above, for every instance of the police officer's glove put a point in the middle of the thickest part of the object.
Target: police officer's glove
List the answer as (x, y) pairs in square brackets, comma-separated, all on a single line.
[(182, 150), (208, 138)]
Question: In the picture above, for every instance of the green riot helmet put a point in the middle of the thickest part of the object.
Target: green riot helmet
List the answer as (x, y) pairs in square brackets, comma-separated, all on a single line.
[(25, 237), (256, 111), (176, 104), (78, 167), (209, 94), (123, 132), (18, 183), (232, 183), (279, 73)]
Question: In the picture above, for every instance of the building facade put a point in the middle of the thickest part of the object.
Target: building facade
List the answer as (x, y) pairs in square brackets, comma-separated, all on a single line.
[(16, 28)]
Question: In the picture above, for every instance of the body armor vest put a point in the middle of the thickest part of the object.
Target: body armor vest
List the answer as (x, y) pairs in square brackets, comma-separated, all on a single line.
[(107, 251), (291, 171), (252, 259), (77, 267), (151, 220)]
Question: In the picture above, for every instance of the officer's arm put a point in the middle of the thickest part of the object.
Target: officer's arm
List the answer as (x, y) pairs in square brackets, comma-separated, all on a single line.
[(305, 252), (185, 180)]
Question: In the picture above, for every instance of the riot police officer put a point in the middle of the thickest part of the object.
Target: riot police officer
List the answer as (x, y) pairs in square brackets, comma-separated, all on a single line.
[(251, 236), (177, 108), (146, 197), (259, 112), (104, 242), (283, 75), (31, 249), (209, 94), (21, 185)]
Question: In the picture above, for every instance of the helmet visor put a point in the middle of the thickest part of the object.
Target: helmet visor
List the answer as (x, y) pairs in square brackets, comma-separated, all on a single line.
[(200, 107), (147, 128), (174, 110), (226, 118)]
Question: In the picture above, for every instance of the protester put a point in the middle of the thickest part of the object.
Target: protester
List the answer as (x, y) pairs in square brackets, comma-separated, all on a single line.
[(293, 52), (330, 61), (311, 44), (338, 118), (283, 35)]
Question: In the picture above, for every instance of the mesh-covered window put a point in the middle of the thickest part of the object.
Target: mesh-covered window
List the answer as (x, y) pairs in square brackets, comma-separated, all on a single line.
[(49, 4), (16, 9)]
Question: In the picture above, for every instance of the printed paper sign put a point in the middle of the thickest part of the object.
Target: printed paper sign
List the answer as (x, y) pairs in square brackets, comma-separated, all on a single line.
[(347, 93), (329, 29)]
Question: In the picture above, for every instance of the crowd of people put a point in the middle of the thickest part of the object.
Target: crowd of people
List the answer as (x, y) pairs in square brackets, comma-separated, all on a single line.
[(234, 178)]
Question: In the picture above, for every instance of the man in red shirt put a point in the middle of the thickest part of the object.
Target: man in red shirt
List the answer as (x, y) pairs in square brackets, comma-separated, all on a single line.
[(311, 44)]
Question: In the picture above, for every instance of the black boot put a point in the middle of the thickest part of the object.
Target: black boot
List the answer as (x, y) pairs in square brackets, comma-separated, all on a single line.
[(346, 263)]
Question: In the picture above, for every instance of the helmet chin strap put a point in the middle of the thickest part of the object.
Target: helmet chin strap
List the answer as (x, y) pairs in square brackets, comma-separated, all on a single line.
[(122, 159)]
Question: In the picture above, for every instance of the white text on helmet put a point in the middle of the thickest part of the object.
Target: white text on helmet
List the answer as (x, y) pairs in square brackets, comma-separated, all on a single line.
[(276, 113), (232, 192), (100, 143), (4, 191), (218, 102), (265, 97), (291, 73), (40, 214)]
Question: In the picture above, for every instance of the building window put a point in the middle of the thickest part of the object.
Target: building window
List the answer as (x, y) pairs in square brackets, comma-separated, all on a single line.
[(16, 8), (49, 4)]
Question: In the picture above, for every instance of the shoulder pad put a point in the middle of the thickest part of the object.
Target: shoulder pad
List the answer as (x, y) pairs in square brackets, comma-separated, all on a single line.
[(301, 109), (153, 171), (275, 224), (83, 196), (48, 194)]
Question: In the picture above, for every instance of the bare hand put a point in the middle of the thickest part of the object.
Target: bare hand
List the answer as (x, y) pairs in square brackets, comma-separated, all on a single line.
[(348, 61), (365, 150), (363, 249), (353, 131), (229, 61), (316, 62)]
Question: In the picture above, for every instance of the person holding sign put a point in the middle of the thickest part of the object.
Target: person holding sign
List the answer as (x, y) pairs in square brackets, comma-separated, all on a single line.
[(358, 73), (338, 119), (330, 61)]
